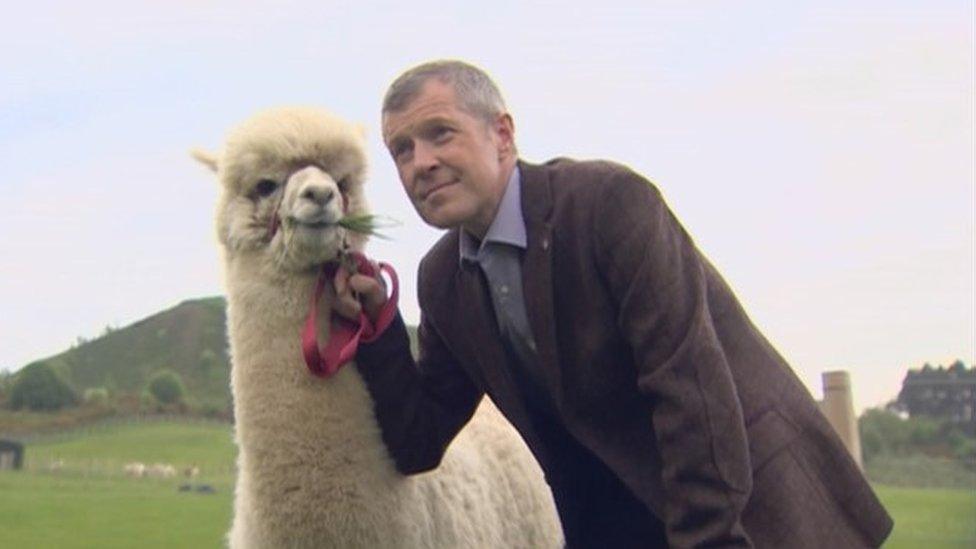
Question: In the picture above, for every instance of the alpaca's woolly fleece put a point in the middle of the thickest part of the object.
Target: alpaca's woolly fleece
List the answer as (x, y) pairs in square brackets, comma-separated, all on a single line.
[(312, 468)]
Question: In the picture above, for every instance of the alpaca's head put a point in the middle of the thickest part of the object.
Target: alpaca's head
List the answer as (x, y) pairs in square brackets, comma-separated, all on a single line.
[(288, 175)]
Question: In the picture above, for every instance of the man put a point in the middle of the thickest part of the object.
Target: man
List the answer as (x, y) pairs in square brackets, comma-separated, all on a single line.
[(570, 294)]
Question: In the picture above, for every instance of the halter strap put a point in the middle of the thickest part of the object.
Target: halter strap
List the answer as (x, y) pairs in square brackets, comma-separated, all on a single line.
[(344, 335)]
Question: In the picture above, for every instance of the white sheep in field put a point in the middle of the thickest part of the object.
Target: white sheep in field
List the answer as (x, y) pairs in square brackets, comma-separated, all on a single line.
[(135, 469), (312, 468), (160, 470)]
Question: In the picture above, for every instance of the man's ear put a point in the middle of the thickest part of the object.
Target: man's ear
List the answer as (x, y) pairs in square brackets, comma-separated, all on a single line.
[(504, 128), (207, 159)]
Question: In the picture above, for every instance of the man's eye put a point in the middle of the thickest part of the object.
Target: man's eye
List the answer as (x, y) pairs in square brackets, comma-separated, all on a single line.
[(441, 133), (265, 187), (400, 152)]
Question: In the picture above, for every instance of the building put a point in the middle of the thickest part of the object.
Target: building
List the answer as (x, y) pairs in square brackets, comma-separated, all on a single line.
[(11, 454), (946, 393)]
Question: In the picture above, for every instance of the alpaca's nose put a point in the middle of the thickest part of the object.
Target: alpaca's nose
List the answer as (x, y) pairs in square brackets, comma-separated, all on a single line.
[(318, 195)]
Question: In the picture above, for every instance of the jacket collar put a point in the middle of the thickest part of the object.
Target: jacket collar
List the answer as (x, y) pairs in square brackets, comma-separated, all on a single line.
[(508, 227), (536, 193), (537, 276)]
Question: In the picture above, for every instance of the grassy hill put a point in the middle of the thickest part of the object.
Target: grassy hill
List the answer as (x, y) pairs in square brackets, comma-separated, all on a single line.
[(189, 339)]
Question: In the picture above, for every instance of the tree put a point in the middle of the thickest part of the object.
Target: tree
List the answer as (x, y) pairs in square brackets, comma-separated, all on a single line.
[(6, 382), (882, 432), (166, 387), (38, 387)]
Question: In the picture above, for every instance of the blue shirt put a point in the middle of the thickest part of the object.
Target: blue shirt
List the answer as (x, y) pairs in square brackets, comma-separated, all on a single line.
[(499, 255)]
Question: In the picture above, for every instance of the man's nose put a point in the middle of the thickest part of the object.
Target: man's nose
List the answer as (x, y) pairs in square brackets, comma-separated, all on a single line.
[(424, 157)]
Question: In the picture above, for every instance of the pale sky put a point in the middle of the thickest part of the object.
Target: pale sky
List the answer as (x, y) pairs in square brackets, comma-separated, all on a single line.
[(821, 154)]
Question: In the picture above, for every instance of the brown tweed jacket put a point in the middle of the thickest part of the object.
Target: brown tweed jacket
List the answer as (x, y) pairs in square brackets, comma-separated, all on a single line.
[(665, 418)]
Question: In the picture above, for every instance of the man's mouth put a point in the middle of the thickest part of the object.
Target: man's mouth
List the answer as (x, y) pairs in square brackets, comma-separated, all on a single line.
[(436, 187)]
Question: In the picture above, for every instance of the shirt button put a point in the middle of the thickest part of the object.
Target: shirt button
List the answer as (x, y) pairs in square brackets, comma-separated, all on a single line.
[(504, 289)]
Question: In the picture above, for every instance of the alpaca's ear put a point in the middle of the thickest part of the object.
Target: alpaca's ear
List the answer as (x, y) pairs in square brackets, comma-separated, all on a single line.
[(205, 158)]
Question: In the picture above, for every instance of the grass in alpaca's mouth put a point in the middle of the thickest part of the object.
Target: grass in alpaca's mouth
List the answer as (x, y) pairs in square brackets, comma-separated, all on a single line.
[(367, 224), (364, 224), (315, 224)]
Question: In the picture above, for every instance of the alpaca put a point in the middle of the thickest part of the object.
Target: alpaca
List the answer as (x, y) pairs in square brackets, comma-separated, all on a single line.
[(313, 470)]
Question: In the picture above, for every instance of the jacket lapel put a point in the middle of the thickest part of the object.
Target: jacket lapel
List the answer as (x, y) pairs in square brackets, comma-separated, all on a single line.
[(479, 327), (537, 281)]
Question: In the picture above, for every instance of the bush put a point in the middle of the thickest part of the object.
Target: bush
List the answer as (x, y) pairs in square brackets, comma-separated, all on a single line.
[(925, 432), (147, 402), (38, 387), (884, 433), (166, 387), (96, 395), (127, 402), (963, 449)]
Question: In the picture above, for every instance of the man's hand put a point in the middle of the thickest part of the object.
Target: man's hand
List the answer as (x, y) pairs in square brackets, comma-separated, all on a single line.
[(357, 292)]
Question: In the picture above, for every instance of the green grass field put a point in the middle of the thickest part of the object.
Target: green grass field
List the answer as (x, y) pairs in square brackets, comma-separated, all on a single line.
[(930, 518), (106, 448), (88, 502), (42, 510)]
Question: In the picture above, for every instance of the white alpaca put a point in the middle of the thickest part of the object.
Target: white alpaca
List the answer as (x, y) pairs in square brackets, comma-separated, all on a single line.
[(312, 468)]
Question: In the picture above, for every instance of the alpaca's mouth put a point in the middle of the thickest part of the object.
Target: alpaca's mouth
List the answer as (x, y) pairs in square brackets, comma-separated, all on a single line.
[(315, 223)]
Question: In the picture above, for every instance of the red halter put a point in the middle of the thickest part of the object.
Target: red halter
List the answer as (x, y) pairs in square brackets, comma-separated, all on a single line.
[(344, 335)]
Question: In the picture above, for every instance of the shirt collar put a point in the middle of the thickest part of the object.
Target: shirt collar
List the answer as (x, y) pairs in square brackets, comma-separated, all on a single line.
[(508, 227)]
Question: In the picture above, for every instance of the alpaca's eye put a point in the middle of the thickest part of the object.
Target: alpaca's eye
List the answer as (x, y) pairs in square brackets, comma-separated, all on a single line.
[(344, 184), (265, 187)]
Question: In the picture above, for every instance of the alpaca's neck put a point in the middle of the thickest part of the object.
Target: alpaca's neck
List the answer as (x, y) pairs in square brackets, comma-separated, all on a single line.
[(255, 285), (277, 401)]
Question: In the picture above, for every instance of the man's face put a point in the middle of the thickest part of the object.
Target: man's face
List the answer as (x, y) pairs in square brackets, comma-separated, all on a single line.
[(453, 165)]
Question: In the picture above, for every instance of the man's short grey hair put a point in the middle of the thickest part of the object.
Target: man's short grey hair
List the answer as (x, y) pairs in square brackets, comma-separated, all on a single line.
[(475, 91)]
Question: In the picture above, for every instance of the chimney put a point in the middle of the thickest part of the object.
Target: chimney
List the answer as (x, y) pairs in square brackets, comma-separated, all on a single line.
[(838, 406)]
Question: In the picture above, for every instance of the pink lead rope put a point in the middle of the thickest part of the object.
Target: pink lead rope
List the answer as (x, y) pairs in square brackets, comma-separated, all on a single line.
[(344, 335)]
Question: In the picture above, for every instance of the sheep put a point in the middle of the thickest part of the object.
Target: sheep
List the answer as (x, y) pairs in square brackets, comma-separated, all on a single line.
[(134, 469), (312, 468), (160, 470), (55, 465)]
